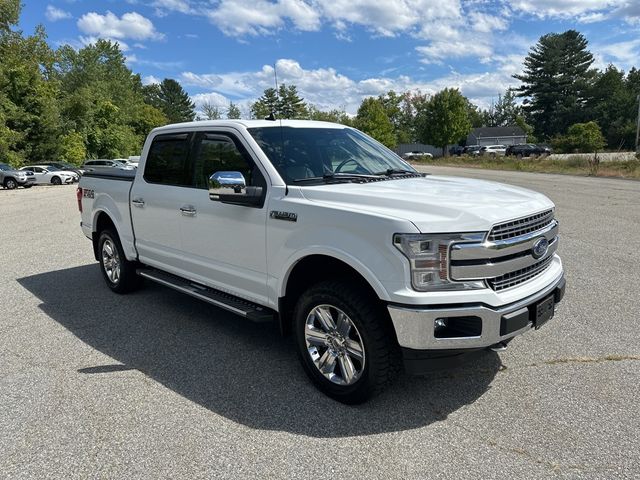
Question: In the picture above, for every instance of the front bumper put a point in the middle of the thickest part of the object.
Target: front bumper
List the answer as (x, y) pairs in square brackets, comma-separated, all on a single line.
[(415, 325)]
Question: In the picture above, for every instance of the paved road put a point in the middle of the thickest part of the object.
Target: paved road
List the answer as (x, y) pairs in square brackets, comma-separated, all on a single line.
[(158, 385)]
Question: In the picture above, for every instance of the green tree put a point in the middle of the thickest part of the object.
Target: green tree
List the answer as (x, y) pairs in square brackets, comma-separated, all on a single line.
[(283, 103), (290, 104), (72, 148), (9, 14), (28, 98), (400, 111), (233, 112), (211, 111), (556, 82), (443, 119), (613, 105), (372, 119), (104, 101), (266, 105), (334, 116), (174, 102), (584, 138)]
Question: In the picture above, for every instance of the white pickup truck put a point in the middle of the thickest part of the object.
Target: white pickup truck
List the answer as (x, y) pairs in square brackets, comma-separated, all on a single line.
[(370, 264)]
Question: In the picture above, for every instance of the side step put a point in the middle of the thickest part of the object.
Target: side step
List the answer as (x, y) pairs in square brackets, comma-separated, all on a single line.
[(239, 306)]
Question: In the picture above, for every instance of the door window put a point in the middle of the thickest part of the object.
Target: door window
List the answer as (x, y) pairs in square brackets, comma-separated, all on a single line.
[(168, 160), (220, 153)]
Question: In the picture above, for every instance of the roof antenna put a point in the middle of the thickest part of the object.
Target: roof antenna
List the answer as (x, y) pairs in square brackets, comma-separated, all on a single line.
[(272, 115)]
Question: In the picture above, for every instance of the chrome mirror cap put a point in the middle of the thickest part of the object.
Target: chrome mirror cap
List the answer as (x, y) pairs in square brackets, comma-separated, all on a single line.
[(226, 183)]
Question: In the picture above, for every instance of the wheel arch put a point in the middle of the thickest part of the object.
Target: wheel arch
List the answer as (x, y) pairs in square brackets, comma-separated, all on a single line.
[(316, 267), (101, 221)]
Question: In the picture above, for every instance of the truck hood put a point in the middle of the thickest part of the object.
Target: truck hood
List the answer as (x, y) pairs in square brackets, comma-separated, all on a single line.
[(434, 204)]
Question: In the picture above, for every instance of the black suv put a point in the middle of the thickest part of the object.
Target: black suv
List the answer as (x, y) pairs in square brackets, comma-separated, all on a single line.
[(527, 150)]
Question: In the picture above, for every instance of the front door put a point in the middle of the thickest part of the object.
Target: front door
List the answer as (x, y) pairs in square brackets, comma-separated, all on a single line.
[(224, 244)]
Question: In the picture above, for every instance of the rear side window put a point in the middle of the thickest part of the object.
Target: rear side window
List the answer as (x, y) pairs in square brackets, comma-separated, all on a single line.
[(168, 160)]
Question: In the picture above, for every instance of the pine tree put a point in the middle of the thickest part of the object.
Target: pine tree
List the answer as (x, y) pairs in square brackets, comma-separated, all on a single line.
[(266, 105), (233, 112), (175, 102), (556, 82)]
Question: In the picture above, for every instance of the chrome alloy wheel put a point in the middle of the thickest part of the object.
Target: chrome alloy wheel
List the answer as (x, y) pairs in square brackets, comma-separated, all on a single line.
[(111, 261), (334, 345)]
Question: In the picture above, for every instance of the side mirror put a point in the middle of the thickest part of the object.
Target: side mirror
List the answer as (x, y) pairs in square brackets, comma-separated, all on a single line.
[(231, 187)]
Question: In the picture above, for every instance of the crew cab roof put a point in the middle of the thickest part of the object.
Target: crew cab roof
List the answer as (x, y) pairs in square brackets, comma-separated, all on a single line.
[(248, 124)]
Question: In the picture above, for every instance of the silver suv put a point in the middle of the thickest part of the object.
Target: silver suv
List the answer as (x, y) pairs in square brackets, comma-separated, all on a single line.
[(11, 178)]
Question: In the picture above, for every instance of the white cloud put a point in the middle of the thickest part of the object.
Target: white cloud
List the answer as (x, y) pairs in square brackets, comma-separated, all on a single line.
[(182, 6), (211, 98), (259, 17), (54, 14), (150, 79), (622, 54), (329, 89), (131, 25), (562, 8), (483, 22)]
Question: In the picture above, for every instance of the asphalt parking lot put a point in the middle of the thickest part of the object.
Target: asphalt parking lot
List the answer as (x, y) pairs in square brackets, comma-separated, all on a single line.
[(159, 385)]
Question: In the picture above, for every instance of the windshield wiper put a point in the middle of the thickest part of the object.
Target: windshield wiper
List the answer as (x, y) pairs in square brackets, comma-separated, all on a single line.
[(396, 171), (337, 177)]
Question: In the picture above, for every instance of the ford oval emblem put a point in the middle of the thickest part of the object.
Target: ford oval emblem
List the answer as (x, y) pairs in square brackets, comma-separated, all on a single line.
[(540, 248)]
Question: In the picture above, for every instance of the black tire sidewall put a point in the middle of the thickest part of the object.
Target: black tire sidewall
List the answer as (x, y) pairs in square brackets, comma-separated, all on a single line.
[(129, 279), (10, 184), (351, 394), (56, 181)]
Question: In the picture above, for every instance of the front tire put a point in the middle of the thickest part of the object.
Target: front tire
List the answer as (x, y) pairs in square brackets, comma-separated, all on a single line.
[(119, 273), (56, 181), (10, 184), (345, 341)]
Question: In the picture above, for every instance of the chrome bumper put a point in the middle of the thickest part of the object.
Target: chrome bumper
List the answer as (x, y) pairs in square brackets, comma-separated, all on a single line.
[(415, 326)]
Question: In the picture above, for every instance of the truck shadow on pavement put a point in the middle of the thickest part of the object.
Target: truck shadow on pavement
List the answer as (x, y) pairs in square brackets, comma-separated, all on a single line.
[(243, 371)]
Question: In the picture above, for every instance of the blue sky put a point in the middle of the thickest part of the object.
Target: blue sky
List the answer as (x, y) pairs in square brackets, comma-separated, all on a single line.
[(336, 51)]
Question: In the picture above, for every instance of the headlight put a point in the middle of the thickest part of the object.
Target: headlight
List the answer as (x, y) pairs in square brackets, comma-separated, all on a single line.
[(429, 259)]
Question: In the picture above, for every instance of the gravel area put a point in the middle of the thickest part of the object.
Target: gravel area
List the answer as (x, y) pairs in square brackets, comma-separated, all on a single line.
[(159, 385)]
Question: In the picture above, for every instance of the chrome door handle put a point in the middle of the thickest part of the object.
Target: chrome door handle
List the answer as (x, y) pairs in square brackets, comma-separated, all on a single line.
[(188, 210), (138, 202)]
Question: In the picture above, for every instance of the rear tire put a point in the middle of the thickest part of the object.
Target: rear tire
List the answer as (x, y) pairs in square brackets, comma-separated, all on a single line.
[(345, 341), (119, 273), (10, 184), (519, 156), (56, 181)]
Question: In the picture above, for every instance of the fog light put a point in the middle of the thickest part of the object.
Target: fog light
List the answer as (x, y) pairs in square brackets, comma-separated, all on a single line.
[(440, 323)]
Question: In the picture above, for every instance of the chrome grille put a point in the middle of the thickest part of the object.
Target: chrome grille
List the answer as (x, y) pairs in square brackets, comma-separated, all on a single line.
[(522, 226), (512, 279)]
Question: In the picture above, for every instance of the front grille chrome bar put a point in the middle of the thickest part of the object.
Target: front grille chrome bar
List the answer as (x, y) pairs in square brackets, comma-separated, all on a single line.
[(521, 226)]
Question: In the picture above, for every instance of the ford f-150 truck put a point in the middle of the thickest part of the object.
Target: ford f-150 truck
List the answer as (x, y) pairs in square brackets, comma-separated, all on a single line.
[(371, 265)]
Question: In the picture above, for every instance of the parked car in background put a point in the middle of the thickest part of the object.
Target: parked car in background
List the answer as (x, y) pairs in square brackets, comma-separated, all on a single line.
[(457, 150), (472, 150), (65, 166), (11, 178), (416, 155), (48, 175), (89, 164), (527, 150), (493, 150)]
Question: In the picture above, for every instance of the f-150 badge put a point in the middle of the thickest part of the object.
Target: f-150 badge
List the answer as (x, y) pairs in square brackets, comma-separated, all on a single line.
[(288, 216)]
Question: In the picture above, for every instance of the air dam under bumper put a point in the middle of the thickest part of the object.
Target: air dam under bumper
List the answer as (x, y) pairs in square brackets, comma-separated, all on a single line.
[(471, 327)]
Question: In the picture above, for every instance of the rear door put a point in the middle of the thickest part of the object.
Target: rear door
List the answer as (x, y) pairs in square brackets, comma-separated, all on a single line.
[(156, 197)]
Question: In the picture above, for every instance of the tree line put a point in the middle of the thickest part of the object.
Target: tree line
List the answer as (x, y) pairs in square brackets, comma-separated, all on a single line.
[(71, 105)]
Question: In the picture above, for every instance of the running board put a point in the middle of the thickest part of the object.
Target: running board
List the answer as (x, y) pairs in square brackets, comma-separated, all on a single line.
[(239, 306)]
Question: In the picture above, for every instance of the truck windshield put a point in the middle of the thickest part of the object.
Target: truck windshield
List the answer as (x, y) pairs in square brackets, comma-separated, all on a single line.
[(302, 155)]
